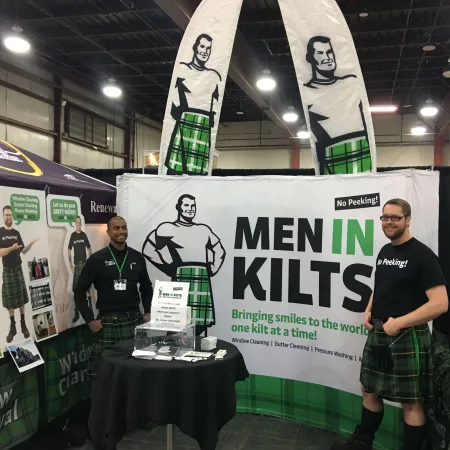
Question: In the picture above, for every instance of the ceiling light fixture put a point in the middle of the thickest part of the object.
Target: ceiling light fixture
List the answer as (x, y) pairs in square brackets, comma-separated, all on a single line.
[(303, 134), (240, 113), (266, 82), (364, 14), (446, 72), (428, 48), (111, 89), (15, 42), (418, 131), (429, 110), (383, 108), (290, 115)]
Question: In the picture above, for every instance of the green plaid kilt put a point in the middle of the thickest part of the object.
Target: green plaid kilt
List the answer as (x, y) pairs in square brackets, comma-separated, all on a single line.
[(441, 364), (411, 380), (348, 157), (14, 288), (200, 293), (117, 327), (189, 146), (77, 272)]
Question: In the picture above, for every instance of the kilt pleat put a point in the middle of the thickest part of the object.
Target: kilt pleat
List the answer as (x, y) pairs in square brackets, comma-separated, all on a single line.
[(14, 288), (200, 293), (116, 327), (411, 379)]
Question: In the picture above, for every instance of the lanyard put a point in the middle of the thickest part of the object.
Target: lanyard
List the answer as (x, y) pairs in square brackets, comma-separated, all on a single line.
[(115, 260)]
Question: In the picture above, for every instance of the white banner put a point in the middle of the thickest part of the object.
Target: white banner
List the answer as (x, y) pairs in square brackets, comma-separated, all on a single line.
[(197, 87), (331, 85), (288, 261)]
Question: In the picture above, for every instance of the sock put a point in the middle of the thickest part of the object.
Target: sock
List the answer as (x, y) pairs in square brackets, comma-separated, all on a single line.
[(414, 437), (370, 421), (22, 318), (13, 321)]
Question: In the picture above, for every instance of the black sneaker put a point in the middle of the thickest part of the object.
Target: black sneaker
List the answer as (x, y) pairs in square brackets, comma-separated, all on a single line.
[(357, 441), (24, 329), (12, 333)]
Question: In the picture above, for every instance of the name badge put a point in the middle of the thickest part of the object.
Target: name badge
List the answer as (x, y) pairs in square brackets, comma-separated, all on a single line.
[(120, 285)]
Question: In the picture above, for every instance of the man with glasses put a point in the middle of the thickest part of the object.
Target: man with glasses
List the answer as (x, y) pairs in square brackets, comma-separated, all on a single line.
[(396, 365)]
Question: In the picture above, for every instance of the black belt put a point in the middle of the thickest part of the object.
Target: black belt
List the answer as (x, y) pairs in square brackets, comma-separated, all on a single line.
[(128, 313)]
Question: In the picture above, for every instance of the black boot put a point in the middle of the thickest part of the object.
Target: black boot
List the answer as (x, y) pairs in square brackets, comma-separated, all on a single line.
[(12, 332), (357, 441), (24, 329)]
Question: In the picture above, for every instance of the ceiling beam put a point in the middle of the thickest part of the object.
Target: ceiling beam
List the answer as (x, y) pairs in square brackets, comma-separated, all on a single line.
[(245, 66), (68, 12), (270, 15)]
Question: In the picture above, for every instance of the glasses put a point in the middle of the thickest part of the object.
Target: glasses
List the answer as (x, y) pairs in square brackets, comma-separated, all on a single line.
[(391, 218)]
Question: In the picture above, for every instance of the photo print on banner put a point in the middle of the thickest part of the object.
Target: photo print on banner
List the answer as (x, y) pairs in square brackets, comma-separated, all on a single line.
[(25, 261), (331, 85), (25, 355), (65, 212), (196, 92)]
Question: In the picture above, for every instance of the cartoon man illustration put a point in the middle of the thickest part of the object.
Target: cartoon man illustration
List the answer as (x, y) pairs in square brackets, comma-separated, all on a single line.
[(336, 114), (79, 242), (14, 288), (190, 252), (198, 88)]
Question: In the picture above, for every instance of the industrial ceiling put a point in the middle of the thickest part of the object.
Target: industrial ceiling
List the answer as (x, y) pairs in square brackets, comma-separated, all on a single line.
[(136, 42)]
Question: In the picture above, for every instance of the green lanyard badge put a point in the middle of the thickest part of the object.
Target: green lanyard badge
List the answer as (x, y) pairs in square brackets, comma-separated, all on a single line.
[(115, 260)]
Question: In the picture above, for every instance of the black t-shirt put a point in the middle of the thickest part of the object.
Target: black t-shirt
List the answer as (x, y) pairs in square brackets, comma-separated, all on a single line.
[(7, 239), (403, 275), (79, 242)]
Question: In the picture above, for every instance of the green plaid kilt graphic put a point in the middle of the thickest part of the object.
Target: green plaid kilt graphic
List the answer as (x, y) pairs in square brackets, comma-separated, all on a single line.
[(200, 293), (190, 145), (347, 157), (411, 378), (117, 327), (14, 289), (77, 272)]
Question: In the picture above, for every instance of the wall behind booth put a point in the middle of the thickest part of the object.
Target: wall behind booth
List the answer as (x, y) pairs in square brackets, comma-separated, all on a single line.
[(262, 145)]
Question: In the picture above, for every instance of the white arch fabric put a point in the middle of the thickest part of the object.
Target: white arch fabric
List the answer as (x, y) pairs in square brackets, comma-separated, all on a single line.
[(196, 90), (331, 86)]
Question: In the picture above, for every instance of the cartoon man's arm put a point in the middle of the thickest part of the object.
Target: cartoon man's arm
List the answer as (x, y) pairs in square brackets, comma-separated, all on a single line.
[(151, 251), (218, 253)]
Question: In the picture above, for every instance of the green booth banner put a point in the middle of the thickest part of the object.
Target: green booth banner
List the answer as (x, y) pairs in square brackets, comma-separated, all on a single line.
[(66, 365), (314, 405), (19, 405)]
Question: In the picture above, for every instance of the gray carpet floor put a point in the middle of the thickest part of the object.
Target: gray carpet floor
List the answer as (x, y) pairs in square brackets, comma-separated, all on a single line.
[(243, 432)]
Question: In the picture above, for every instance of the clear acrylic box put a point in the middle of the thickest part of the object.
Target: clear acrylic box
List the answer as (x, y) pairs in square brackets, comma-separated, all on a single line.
[(162, 340)]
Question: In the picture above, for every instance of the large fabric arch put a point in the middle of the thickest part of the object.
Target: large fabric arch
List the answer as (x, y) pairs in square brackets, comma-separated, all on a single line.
[(196, 90), (331, 85)]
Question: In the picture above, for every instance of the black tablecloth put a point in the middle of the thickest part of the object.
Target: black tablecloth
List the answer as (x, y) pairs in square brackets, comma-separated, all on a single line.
[(199, 398)]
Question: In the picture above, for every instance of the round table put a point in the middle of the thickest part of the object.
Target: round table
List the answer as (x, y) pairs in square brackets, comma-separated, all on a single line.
[(200, 398)]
